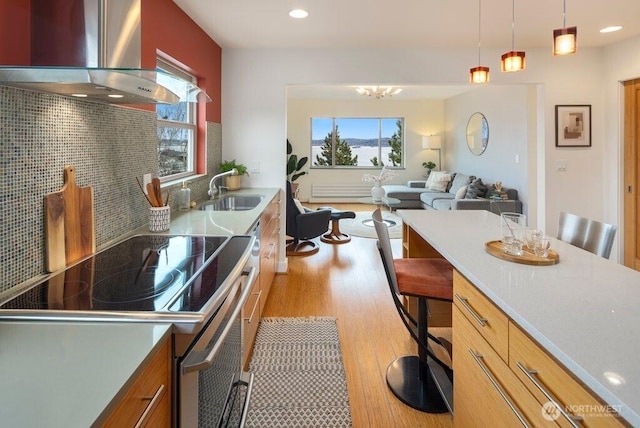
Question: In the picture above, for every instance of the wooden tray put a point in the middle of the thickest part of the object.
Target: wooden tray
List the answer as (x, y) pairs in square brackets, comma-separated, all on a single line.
[(527, 258)]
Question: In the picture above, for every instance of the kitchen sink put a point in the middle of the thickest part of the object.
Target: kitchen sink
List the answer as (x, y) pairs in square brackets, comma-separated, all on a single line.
[(232, 203)]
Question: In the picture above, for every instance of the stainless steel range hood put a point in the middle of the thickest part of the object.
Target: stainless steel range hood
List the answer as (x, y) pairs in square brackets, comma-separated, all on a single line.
[(103, 61)]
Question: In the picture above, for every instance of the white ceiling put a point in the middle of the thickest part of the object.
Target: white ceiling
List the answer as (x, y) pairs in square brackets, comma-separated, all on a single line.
[(408, 23)]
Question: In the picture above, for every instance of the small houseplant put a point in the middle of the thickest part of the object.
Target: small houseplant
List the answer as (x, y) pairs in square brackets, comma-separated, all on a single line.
[(429, 165), (232, 182), (294, 167)]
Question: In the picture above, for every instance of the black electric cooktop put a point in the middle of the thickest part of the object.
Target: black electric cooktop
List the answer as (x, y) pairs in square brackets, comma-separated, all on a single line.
[(143, 273)]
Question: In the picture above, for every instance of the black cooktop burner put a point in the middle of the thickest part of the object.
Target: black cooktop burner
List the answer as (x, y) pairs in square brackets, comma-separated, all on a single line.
[(142, 273)]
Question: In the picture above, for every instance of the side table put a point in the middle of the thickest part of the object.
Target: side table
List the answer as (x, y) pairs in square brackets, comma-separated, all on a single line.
[(388, 202)]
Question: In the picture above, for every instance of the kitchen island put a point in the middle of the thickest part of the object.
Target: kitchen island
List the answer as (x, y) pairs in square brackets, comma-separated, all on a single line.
[(582, 312)]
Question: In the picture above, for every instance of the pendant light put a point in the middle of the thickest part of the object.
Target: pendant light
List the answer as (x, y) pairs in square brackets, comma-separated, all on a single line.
[(513, 60), (479, 74), (565, 40)]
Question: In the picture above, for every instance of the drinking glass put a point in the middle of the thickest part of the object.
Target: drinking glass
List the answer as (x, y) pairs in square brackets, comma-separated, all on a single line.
[(530, 237), (541, 245), (513, 227)]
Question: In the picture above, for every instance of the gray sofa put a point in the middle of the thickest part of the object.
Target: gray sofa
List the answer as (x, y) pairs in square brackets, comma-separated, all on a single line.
[(456, 196)]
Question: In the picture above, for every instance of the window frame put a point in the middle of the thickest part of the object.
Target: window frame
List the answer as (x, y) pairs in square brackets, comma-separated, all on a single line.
[(380, 146), (191, 124)]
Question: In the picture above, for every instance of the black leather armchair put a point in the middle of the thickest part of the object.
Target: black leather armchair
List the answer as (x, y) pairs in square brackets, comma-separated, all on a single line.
[(302, 227)]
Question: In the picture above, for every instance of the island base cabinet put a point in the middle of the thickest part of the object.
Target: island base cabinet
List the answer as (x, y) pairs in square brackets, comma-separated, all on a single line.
[(548, 381), (486, 392)]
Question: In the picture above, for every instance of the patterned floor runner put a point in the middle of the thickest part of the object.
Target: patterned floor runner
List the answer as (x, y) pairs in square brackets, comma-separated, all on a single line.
[(299, 376)]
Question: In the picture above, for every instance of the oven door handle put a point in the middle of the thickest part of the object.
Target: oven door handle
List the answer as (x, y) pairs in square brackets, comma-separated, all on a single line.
[(208, 360)]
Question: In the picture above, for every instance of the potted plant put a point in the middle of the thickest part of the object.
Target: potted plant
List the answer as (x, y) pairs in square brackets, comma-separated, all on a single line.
[(294, 167), (232, 182), (429, 165)]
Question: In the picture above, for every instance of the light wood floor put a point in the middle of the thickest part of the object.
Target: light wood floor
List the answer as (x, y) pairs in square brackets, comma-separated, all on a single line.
[(348, 282)]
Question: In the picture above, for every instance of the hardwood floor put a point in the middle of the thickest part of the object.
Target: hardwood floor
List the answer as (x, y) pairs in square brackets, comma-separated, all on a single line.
[(348, 282)]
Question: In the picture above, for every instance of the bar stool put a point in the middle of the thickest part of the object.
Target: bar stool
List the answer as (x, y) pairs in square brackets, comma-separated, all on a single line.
[(411, 378), (590, 235)]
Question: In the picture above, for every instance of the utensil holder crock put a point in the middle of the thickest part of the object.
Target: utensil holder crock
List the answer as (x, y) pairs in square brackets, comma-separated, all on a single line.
[(159, 218)]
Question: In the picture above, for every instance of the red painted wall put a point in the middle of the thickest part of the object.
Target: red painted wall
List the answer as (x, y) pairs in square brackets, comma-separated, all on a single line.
[(167, 28), (15, 38)]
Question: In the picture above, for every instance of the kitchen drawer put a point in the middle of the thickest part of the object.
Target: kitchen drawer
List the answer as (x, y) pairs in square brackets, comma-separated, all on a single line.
[(269, 246), (147, 402), (478, 402), (250, 321), (526, 356), (492, 324)]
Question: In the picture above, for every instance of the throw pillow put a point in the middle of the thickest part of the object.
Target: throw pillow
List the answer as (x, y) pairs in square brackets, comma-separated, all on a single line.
[(458, 181), (439, 181), (476, 189), (450, 183), (430, 178), (299, 206), (462, 191)]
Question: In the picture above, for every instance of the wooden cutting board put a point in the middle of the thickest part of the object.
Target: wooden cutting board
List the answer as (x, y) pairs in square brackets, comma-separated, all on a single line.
[(69, 223)]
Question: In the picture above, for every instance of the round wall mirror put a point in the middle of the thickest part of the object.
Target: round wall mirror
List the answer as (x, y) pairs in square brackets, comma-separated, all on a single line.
[(477, 133)]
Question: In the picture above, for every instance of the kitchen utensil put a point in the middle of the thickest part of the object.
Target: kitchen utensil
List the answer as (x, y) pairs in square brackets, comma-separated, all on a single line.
[(69, 223), (151, 194), (158, 192), (143, 192)]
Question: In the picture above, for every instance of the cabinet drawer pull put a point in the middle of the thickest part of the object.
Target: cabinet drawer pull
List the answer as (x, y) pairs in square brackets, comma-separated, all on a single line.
[(496, 385), (151, 406), (480, 320), (530, 374), (255, 305), (273, 247)]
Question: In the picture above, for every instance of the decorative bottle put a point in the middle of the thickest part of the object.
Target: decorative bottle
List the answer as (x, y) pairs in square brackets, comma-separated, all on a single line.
[(184, 200)]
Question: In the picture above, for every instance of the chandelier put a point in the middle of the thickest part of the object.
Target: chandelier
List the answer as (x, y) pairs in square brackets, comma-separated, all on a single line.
[(378, 91)]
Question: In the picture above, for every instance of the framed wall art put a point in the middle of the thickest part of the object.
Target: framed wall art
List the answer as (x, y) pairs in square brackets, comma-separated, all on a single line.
[(573, 126)]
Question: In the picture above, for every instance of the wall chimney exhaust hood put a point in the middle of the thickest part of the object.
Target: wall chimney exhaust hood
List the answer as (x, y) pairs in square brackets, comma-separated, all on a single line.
[(90, 49)]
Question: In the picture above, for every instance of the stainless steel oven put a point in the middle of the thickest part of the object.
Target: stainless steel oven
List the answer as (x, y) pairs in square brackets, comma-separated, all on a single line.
[(213, 389), (197, 283)]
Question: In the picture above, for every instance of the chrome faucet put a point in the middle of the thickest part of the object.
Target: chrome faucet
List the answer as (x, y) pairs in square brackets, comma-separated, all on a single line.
[(213, 190)]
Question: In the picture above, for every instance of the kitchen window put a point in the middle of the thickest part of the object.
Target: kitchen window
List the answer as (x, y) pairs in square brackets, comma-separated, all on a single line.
[(177, 126), (357, 142)]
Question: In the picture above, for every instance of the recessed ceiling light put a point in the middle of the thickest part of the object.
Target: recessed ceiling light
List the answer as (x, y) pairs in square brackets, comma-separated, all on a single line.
[(298, 13), (79, 95), (611, 29), (115, 96)]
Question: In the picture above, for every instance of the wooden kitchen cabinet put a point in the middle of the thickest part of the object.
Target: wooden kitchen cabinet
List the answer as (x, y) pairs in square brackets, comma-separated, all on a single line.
[(147, 403), (544, 377), (253, 308), (269, 247), (491, 356), (486, 392)]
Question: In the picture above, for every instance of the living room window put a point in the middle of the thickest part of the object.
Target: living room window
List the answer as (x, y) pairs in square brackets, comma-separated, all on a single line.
[(357, 142), (177, 124)]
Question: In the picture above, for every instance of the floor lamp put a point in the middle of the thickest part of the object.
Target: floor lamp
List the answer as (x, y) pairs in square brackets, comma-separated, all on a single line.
[(433, 142)]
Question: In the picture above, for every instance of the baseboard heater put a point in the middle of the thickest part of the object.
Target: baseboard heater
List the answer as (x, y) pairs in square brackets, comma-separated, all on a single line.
[(339, 192)]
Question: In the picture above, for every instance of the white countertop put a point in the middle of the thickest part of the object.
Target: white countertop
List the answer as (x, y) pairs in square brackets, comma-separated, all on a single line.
[(584, 311), (196, 222), (66, 375)]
